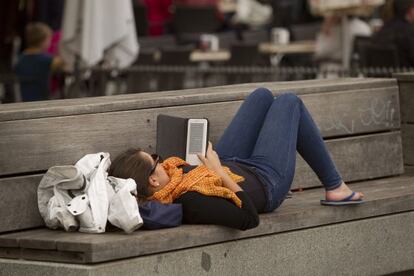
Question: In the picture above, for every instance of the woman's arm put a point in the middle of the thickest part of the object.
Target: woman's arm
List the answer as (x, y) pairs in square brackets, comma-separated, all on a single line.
[(202, 209), (212, 161)]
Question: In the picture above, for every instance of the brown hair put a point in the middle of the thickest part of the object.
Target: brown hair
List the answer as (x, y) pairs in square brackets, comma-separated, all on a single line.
[(36, 33), (132, 164)]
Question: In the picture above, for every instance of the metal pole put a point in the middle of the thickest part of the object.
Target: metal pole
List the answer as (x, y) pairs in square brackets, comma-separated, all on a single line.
[(346, 43)]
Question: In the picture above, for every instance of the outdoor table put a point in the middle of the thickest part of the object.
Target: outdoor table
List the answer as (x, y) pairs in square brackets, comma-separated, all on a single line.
[(204, 59), (299, 47), (278, 51), (210, 56)]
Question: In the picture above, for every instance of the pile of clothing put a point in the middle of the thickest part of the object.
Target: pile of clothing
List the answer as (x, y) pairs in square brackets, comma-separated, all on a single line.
[(84, 198)]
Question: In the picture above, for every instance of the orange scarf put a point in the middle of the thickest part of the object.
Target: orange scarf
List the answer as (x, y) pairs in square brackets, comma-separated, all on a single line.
[(200, 179)]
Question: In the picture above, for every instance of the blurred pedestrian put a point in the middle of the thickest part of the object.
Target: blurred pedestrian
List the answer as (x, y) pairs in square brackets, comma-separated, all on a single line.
[(399, 32), (34, 66), (329, 43), (159, 16)]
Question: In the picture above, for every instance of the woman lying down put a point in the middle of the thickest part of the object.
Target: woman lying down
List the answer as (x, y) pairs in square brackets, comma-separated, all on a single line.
[(250, 171)]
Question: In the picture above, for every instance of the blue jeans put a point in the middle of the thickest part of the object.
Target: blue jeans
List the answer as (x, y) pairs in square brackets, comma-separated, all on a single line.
[(265, 134)]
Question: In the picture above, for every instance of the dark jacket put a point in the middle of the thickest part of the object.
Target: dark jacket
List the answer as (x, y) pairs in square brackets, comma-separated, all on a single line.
[(400, 33)]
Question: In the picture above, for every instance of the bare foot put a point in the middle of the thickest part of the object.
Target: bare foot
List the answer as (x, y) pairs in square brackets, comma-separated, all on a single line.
[(342, 192)]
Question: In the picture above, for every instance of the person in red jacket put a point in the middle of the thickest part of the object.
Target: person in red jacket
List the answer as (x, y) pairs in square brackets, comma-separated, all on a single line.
[(159, 15)]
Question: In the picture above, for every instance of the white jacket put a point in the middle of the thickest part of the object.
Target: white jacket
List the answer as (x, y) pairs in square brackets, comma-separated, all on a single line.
[(82, 196)]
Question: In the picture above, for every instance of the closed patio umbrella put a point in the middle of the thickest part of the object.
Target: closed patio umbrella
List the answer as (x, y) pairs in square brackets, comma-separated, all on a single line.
[(98, 30)]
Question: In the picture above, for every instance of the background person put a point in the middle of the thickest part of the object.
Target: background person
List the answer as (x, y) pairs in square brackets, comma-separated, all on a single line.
[(34, 66), (329, 42), (399, 32)]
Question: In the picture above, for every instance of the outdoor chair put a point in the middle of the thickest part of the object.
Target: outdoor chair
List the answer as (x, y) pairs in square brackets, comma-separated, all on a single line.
[(156, 42), (141, 81), (308, 31), (178, 56), (194, 20), (255, 36), (141, 19), (244, 55), (359, 44), (226, 39), (379, 57)]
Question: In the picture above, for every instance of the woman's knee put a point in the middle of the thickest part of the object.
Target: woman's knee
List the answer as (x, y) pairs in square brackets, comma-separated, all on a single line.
[(289, 97), (262, 94)]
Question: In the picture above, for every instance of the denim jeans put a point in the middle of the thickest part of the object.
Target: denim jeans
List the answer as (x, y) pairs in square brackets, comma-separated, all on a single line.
[(265, 134)]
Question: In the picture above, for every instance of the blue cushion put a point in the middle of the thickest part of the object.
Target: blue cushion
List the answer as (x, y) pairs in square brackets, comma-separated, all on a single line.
[(157, 215)]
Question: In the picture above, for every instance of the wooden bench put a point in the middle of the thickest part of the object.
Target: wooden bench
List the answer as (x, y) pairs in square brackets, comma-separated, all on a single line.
[(359, 118), (406, 85)]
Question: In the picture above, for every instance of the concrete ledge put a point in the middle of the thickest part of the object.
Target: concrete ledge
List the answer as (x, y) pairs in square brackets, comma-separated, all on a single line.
[(384, 197), (375, 246), (91, 105)]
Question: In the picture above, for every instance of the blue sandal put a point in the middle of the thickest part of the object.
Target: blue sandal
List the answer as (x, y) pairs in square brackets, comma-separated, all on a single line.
[(346, 201)]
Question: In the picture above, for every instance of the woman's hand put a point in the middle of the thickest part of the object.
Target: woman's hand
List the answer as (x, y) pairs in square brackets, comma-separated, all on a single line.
[(211, 160)]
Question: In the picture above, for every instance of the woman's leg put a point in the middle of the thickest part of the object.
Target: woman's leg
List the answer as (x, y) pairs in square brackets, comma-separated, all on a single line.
[(288, 127), (240, 136)]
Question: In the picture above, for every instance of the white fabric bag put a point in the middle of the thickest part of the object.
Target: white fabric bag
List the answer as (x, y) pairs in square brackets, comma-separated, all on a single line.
[(53, 196), (123, 208), (94, 167), (83, 196)]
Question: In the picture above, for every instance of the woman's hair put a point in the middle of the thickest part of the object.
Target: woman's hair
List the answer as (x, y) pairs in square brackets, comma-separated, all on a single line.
[(133, 164), (36, 34)]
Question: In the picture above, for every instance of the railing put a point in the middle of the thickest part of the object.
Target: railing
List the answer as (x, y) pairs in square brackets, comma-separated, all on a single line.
[(149, 78)]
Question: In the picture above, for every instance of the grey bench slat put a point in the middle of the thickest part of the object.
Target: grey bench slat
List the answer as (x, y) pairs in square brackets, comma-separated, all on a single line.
[(357, 158), (408, 76), (18, 197), (19, 203), (43, 255), (20, 111), (406, 86), (37, 144), (384, 196), (408, 143), (407, 100)]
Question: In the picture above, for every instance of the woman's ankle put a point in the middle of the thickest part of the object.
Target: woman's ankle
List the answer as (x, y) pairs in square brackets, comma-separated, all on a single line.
[(339, 187)]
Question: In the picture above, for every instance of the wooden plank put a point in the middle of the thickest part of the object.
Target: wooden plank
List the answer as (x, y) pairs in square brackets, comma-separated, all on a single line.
[(31, 110), (358, 158), (42, 255), (407, 101), (18, 197), (12, 239), (408, 76), (37, 144), (355, 112), (380, 202), (408, 143), (409, 170), (384, 196)]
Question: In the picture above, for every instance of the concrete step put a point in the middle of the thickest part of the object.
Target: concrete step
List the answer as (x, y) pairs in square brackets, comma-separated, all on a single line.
[(383, 197)]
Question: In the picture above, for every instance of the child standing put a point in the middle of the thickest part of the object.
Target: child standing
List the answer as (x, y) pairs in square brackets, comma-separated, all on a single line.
[(35, 65)]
